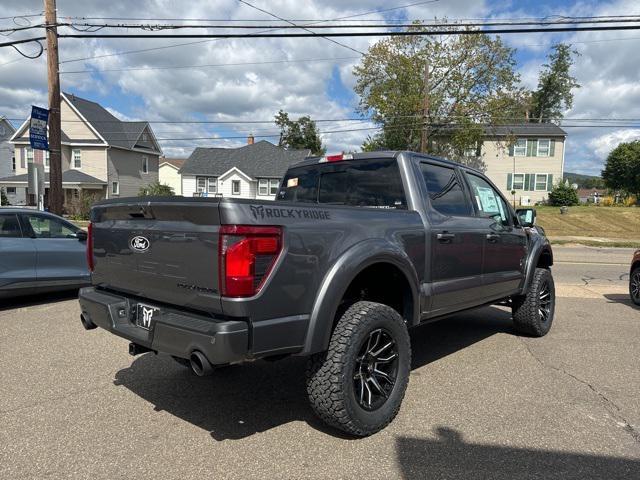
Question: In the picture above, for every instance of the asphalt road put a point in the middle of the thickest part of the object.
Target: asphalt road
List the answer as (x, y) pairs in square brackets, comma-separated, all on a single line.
[(482, 402)]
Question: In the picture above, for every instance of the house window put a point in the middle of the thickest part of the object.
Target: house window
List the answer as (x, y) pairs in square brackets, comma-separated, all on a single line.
[(75, 193), (145, 164), (544, 147), (145, 137), (29, 154), (235, 187), (518, 181), (274, 183), (212, 185), (520, 148), (115, 188), (263, 186), (541, 181), (201, 184), (46, 161), (11, 190), (13, 163), (77, 159)]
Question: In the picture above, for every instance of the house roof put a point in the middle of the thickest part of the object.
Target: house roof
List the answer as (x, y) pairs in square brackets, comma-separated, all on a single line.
[(116, 132), (518, 129), (4, 120), (176, 162), (261, 159), (68, 176)]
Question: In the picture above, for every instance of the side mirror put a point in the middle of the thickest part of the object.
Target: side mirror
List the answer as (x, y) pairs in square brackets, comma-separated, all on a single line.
[(527, 216), (81, 235)]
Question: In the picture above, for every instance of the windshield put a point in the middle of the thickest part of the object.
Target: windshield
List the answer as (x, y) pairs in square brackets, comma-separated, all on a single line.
[(358, 183)]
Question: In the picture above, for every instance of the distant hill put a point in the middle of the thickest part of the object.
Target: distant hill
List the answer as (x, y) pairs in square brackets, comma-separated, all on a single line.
[(584, 181)]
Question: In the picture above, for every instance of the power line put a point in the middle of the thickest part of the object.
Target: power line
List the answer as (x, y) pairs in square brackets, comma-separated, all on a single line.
[(315, 20), (291, 25), (244, 2), (516, 120), (128, 52), (173, 67), (405, 33)]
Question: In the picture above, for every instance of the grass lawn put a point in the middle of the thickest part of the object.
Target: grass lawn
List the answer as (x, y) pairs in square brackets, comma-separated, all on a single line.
[(604, 224)]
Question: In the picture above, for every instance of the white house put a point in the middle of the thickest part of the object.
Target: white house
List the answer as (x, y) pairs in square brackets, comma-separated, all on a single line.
[(251, 171), (169, 173), (7, 158)]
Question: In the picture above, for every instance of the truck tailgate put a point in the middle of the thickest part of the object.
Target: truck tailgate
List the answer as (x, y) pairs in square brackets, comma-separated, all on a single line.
[(164, 251)]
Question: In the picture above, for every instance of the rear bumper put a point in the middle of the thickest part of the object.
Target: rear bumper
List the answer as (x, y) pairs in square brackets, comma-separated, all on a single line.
[(174, 332)]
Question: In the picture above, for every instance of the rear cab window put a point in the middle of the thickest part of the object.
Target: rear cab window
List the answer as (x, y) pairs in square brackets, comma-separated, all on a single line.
[(369, 183), (445, 192)]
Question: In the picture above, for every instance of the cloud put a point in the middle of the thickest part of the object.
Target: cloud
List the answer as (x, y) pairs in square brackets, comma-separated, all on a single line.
[(239, 93)]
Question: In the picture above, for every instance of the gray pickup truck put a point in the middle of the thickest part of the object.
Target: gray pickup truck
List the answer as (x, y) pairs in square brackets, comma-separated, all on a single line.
[(354, 252)]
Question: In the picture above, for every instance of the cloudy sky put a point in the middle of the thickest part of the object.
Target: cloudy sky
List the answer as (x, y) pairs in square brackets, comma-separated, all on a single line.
[(140, 79)]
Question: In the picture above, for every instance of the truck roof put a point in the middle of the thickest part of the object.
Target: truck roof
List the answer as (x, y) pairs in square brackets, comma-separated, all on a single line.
[(380, 154)]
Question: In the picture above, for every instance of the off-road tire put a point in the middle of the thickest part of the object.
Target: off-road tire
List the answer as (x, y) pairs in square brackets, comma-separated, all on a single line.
[(330, 374), (527, 309), (634, 281)]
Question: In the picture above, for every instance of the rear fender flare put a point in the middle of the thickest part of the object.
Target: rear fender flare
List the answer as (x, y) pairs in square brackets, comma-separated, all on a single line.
[(339, 277)]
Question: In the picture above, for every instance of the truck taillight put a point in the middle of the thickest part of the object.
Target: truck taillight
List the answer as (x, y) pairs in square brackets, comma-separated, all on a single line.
[(247, 255), (90, 247)]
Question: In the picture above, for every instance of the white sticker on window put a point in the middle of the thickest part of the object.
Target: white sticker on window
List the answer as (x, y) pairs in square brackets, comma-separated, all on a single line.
[(488, 200), (292, 182)]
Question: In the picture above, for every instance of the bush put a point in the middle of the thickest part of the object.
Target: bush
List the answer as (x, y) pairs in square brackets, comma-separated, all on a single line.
[(3, 198), (80, 208), (563, 195), (607, 201), (630, 201), (156, 189)]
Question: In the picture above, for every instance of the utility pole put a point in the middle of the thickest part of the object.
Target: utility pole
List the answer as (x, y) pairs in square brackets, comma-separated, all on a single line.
[(55, 153), (425, 110)]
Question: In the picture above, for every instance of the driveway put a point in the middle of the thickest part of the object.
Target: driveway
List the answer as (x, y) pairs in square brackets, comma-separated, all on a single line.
[(482, 402)]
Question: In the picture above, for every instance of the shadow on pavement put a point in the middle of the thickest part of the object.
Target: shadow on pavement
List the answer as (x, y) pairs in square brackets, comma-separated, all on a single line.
[(37, 299), (452, 458), (623, 298), (241, 400)]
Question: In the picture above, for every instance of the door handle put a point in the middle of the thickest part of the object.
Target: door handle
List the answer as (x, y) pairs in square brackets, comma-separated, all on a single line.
[(493, 237), (445, 237)]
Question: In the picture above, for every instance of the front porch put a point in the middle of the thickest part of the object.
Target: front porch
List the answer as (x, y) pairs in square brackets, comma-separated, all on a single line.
[(78, 188)]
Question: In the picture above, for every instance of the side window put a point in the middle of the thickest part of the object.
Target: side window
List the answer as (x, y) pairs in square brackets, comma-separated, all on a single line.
[(9, 226), (488, 201), (46, 227), (444, 190)]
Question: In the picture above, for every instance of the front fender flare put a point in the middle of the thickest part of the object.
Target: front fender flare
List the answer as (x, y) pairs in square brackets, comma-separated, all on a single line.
[(339, 277), (539, 245)]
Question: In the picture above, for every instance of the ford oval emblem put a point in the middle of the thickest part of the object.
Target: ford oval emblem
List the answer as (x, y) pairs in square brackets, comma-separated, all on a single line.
[(139, 244)]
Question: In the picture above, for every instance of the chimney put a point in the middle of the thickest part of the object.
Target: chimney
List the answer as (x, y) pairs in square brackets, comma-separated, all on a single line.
[(250, 139)]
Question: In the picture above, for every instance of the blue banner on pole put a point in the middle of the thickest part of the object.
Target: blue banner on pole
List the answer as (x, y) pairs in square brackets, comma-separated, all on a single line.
[(38, 128)]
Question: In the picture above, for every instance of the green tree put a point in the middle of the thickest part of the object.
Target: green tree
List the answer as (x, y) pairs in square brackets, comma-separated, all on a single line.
[(563, 195), (622, 169), (554, 94), (156, 189), (299, 134), (472, 80), (3, 197)]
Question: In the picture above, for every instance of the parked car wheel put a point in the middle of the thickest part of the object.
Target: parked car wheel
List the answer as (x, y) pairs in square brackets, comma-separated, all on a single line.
[(358, 384), (634, 286), (533, 313)]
